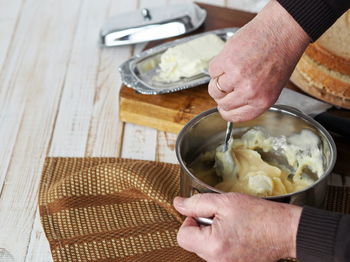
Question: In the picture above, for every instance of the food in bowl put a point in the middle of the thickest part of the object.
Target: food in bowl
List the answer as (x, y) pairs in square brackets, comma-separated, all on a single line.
[(266, 165)]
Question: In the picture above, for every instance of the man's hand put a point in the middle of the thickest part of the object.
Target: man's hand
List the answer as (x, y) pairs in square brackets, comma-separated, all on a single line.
[(244, 228), (257, 62)]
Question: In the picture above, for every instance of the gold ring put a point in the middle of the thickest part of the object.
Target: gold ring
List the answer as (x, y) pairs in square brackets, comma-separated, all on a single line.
[(216, 79)]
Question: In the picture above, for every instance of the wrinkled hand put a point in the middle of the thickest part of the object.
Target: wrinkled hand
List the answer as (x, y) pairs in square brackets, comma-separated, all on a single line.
[(257, 62), (244, 228)]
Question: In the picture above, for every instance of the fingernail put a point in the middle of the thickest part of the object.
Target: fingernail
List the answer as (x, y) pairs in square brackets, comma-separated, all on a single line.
[(179, 202)]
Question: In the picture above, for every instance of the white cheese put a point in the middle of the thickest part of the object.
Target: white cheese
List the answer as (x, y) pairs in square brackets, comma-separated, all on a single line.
[(189, 59)]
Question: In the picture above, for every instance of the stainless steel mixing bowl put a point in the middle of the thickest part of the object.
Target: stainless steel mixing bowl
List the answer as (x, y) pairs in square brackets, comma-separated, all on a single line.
[(206, 131)]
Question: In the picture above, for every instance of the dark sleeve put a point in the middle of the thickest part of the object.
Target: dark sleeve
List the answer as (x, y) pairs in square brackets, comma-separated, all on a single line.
[(315, 16), (323, 236)]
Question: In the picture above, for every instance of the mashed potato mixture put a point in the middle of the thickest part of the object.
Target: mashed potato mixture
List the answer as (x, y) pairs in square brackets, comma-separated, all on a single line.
[(265, 165)]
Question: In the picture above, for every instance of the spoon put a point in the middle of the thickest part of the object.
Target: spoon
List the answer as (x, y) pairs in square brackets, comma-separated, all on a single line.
[(225, 165), (228, 135)]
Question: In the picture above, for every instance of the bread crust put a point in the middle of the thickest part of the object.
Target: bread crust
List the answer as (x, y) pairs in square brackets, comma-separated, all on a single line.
[(324, 69), (314, 80), (328, 59)]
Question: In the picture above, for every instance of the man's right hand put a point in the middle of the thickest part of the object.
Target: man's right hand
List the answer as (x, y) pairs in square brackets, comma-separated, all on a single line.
[(257, 63)]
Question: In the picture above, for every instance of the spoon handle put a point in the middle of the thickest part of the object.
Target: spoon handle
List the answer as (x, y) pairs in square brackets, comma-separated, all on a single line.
[(228, 135)]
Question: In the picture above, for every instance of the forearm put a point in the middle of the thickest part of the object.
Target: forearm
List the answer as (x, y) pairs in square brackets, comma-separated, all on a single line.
[(287, 37), (315, 16), (323, 236)]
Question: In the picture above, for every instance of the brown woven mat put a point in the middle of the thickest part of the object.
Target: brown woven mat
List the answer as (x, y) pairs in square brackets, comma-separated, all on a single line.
[(108, 209)]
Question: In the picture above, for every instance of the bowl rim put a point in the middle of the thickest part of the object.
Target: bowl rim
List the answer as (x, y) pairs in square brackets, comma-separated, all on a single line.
[(275, 108)]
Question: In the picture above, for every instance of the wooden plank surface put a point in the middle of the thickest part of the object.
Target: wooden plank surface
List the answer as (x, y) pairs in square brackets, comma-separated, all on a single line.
[(86, 123), (34, 83), (79, 118)]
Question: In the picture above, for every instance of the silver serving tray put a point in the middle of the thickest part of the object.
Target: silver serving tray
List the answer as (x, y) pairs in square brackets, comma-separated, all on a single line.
[(139, 71), (152, 23)]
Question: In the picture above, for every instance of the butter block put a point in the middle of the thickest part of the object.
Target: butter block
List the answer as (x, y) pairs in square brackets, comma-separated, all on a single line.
[(189, 59)]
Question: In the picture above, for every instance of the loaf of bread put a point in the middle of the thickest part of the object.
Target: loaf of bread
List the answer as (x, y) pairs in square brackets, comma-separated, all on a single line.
[(324, 69)]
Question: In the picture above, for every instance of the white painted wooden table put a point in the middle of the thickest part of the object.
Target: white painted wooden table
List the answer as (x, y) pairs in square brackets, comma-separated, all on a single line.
[(59, 97)]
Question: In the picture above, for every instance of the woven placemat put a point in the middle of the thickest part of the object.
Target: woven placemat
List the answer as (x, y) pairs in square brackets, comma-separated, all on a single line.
[(109, 209)]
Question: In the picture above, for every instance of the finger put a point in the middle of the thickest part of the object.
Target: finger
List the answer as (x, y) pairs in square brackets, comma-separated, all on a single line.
[(215, 66), (199, 205), (191, 237), (241, 114), (220, 86), (213, 91), (232, 100)]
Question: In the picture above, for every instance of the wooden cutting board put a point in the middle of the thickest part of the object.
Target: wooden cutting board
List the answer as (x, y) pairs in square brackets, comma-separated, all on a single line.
[(170, 112)]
